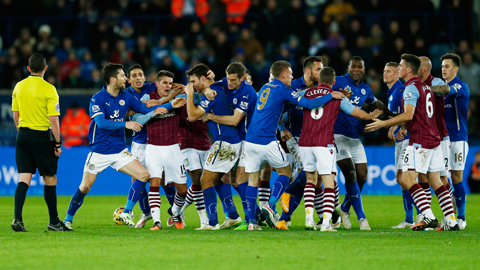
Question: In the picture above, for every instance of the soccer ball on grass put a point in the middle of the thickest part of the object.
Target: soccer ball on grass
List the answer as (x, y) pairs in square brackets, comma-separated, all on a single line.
[(116, 216)]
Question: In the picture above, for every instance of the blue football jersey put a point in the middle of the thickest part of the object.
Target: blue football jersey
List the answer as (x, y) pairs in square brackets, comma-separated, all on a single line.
[(295, 112), (456, 109), (395, 96), (243, 99), (113, 109), (141, 137), (346, 124), (220, 106)]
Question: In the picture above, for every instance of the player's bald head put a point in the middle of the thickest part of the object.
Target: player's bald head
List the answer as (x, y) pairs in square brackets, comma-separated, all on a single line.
[(425, 62)]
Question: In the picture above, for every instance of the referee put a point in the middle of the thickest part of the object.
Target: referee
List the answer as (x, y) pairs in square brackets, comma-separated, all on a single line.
[(35, 112)]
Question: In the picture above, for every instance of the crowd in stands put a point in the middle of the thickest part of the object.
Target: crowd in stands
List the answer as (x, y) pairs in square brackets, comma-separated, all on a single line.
[(217, 32)]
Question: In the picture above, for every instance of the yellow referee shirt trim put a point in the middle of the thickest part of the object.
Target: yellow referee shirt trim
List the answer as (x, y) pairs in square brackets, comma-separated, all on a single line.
[(35, 100)]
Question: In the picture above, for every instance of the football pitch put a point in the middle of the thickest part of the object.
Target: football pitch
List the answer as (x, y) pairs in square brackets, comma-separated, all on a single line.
[(98, 243)]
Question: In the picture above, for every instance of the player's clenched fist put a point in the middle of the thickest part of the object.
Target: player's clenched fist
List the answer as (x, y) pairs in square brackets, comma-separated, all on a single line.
[(337, 95), (159, 111), (178, 102)]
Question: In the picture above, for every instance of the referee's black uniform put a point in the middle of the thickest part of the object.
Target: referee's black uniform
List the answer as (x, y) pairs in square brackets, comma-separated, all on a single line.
[(35, 106)]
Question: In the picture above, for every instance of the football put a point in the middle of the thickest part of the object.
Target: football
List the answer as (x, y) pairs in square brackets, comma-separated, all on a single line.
[(116, 216)]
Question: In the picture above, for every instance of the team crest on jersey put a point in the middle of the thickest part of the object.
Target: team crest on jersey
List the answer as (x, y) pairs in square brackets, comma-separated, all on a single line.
[(204, 103), (122, 102), (95, 108), (91, 167), (57, 107), (235, 101), (343, 152), (185, 161), (331, 152), (244, 105), (363, 91)]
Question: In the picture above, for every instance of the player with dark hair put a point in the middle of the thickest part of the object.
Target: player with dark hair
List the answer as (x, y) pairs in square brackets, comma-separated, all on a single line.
[(352, 159), (423, 153), (225, 151), (456, 110), (106, 135), (261, 144), (243, 98)]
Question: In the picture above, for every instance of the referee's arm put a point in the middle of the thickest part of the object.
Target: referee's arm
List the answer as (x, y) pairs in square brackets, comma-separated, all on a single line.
[(16, 117), (55, 124)]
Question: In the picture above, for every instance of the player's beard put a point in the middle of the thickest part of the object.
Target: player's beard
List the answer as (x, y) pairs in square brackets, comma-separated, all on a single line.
[(121, 87)]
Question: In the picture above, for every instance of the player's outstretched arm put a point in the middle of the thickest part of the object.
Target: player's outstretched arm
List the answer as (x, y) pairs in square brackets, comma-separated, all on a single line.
[(378, 104), (108, 124), (229, 120), (444, 89), (361, 114), (194, 112), (316, 102), (406, 116)]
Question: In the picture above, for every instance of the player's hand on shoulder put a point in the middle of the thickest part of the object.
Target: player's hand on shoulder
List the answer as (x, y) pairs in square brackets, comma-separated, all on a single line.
[(337, 95), (211, 75), (375, 114), (347, 93), (152, 102), (160, 111), (135, 125), (210, 94), (285, 135), (178, 102), (178, 87)]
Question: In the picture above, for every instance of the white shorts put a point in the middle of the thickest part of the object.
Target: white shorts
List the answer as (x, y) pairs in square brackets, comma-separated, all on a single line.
[(256, 155), (241, 160), (292, 146), (423, 160), (138, 150), (291, 161), (222, 156), (458, 155), (193, 159), (350, 148), (165, 158), (400, 148), (96, 162), (320, 159), (445, 146)]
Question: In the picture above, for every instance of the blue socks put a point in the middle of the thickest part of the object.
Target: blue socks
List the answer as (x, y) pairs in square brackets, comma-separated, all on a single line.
[(295, 200), (353, 192), (170, 193), (460, 200), (225, 193), (75, 203), (143, 202), (408, 206), (134, 194), (242, 189), (211, 205), (298, 183), (251, 198), (277, 190)]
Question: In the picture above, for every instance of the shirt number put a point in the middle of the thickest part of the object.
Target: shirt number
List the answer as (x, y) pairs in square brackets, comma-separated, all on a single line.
[(316, 113), (263, 98), (429, 106)]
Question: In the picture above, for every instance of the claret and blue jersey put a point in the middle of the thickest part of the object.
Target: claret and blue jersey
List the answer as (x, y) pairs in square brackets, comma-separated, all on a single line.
[(220, 106), (346, 124), (244, 99), (456, 109), (395, 96), (141, 137)]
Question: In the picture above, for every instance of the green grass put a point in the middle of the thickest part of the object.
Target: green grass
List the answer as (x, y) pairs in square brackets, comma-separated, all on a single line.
[(99, 243)]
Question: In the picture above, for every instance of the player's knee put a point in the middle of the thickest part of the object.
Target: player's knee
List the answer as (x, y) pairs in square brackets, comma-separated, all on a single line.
[(143, 176), (85, 188)]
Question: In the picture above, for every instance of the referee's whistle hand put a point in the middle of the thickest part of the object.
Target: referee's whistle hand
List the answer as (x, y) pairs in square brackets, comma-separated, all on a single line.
[(134, 126), (58, 151)]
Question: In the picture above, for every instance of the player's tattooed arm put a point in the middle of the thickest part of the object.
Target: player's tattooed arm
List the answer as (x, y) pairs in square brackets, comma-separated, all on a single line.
[(442, 89)]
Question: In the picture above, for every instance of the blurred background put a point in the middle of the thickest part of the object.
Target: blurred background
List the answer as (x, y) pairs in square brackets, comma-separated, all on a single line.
[(78, 37)]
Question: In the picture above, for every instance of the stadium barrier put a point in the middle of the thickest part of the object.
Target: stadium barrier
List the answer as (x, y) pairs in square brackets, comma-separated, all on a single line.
[(381, 174)]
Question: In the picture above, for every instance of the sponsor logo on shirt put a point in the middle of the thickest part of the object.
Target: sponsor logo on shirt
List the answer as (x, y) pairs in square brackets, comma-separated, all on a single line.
[(245, 97), (122, 102), (244, 105), (116, 113), (95, 108), (204, 103), (108, 103)]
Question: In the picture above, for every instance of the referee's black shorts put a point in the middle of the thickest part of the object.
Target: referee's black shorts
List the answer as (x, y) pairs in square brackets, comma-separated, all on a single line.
[(35, 150)]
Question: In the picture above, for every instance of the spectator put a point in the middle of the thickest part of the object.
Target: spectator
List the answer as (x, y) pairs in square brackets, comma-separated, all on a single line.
[(87, 66), (46, 44), (391, 35), (12, 73), (68, 65), (363, 51), (74, 126), (200, 51), (376, 36), (159, 52), (121, 55), (236, 10), (270, 28), (334, 37), (62, 52), (103, 54), (96, 81), (250, 44), (192, 36), (125, 31), (142, 53), (470, 74), (338, 11), (353, 32), (182, 8), (295, 17), (474, 177), (420, 47), (74, 79), (221, 45), (53, 71), (25, 38)]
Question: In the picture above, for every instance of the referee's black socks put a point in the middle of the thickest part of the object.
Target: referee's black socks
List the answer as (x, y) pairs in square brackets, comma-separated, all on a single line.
[(50, 195), (20, 195)]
